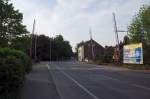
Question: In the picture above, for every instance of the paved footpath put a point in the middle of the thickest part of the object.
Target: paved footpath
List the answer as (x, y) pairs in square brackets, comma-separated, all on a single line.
[(39, 84)]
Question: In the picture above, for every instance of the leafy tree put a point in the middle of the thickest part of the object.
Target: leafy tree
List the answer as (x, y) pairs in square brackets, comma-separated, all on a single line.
[(21, 43), (126, 40), (79, 44), (108, 54), (61, 48), (10, 23), (58, 46), (139, 30), (43, 47), (67, 49)]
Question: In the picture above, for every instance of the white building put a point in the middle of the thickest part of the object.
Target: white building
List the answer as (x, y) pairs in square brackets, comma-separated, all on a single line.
[(81, 53)]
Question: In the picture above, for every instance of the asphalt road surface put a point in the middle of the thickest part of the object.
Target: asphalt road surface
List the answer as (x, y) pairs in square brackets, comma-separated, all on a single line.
[(73, 80), (86, 81)]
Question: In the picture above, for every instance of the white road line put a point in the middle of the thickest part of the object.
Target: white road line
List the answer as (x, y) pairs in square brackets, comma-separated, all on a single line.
[(48, 67), (78, 69), (77, 83), (108, 77), (140, 86), (134, 85)]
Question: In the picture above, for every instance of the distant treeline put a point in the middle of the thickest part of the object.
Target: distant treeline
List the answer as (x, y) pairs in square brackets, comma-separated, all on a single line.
[(51, 48)]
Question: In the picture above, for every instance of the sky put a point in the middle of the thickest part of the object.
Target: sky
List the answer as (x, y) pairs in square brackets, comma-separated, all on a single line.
[(74, 18)]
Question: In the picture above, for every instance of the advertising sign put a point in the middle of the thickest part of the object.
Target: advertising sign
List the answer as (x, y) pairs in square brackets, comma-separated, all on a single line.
[(133, 54)]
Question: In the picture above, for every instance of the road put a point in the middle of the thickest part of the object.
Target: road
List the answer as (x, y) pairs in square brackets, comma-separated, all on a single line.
[(73, 80), (87, 81)]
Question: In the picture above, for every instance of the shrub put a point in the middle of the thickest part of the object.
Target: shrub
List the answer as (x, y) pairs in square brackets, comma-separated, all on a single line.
[(25, 60), (13, 66)]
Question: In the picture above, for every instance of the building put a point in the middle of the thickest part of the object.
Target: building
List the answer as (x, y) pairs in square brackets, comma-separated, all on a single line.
[(81, 53), (90, 50)]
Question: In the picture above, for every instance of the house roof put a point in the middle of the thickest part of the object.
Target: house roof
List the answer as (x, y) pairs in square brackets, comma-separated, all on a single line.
[(93, 41)]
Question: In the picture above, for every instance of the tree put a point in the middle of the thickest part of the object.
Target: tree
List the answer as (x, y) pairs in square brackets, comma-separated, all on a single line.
[(61, 48), (58, 46), (108, 54), (43, 47), (139, 30), (126, 40), (11, 26), (22, 43)]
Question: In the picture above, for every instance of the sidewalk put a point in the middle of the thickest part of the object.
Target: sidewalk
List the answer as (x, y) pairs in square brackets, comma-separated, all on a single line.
[(39, 84)]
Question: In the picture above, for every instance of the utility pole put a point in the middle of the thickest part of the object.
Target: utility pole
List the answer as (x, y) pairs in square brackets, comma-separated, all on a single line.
[(115, 29), (92, 49), (50, 50), (90, 32), (35, 48), (35, 42), (33, 29), (117, 50)]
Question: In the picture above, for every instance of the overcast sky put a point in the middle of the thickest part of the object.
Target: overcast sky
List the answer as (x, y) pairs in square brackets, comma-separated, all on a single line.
[(72, 18)]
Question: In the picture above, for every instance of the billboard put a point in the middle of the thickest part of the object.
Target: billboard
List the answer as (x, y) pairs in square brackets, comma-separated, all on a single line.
[(133, 54)]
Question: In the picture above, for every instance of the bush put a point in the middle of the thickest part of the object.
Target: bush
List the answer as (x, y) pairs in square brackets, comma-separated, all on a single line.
[(13, 66), (106, 58), (25, 60)]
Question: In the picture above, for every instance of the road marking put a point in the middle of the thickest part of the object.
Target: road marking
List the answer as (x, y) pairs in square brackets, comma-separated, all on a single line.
[(140, 86), (48, 67), (125, 82), (79, 69), (108, 77), (111, 78), (77, 83)]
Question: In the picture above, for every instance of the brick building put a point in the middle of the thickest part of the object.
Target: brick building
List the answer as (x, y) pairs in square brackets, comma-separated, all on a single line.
[(89, 50)]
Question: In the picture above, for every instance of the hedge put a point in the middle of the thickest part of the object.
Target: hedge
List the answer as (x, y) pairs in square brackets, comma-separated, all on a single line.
[(14, 65)]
